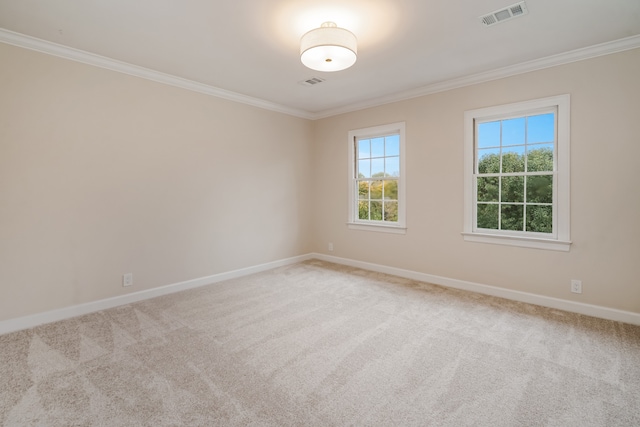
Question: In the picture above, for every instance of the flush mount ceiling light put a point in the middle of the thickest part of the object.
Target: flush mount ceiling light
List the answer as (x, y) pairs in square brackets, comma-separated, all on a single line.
[(328, 48)]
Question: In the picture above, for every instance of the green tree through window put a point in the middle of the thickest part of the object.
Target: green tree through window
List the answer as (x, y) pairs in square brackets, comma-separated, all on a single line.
[(378, 171), (515, 173)]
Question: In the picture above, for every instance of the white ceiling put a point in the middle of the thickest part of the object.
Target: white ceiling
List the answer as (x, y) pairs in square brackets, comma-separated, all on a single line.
[(251, 47)]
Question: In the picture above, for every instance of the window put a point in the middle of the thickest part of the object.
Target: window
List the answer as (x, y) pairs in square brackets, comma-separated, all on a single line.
[(376, 179), (517, 174)]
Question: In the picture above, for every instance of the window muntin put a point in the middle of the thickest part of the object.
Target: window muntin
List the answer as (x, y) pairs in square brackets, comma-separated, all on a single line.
[(515, 173), (377, 172), (516, 170), (376, 178)]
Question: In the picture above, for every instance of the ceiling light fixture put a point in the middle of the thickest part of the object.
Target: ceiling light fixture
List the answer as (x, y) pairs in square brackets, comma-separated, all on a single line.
[(328, 48)]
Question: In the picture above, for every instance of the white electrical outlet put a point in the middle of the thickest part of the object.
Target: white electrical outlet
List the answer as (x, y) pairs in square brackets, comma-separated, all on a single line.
[(127, 279), (576, 286), (330, 247)]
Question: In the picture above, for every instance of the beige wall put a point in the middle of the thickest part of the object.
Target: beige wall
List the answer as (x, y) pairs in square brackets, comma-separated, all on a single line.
[(103, 173), (605, 194)]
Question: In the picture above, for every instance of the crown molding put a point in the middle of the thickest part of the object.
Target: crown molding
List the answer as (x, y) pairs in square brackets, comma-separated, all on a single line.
[(576, 55), (43, 46), (32, 43)]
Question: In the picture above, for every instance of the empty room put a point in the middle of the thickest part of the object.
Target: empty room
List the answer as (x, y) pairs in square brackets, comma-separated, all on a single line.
[(319, 213)]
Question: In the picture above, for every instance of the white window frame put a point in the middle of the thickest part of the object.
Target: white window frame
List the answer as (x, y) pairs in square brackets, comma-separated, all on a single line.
[(559, 240), (353, 222)]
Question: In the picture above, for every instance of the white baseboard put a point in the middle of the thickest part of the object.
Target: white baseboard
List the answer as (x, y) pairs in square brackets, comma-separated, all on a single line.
[(30, 321), (557, 303)]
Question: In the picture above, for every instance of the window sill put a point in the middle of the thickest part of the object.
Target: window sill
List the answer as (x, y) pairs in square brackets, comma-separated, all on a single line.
[(523, 242), (377, 228)]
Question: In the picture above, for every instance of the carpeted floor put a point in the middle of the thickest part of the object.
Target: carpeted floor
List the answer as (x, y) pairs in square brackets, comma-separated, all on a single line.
[(317, 344)]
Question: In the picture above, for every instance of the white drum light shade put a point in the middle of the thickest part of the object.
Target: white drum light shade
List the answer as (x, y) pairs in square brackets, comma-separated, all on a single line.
[(328, 48)]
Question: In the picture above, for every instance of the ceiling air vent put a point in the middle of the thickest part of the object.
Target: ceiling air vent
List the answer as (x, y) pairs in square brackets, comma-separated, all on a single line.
[(504, 14), (311, 82)]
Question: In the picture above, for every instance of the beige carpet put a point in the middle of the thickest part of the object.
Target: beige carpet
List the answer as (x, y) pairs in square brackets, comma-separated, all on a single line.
[(317, 344)]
